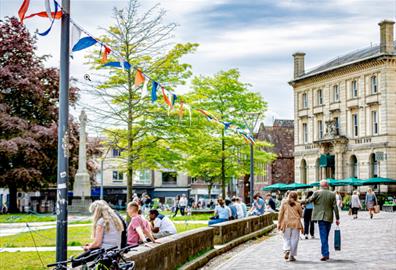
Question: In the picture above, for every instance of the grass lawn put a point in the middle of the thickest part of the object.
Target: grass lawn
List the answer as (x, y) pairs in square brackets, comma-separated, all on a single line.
[(15, 218), (29, 260), (77, 236)]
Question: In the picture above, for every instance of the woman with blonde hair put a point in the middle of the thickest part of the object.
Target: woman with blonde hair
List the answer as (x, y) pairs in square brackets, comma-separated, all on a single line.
[(289, 222), (355, 204), (106, 226)]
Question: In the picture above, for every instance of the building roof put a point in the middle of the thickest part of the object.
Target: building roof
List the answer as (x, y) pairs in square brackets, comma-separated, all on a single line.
[(345, 60)]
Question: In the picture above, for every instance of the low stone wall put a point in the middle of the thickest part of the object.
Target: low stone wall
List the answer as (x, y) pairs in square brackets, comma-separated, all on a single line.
[(230, 230), (173, 251)]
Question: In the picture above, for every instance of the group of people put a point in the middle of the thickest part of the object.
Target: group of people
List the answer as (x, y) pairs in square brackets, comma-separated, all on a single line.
[(110, 229), (370, 201)]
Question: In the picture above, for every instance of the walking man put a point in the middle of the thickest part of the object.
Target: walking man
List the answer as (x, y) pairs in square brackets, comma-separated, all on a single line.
[(324, 205)]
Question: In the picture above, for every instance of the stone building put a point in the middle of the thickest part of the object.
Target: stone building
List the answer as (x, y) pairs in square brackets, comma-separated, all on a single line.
[(345, 114), (281, 136)]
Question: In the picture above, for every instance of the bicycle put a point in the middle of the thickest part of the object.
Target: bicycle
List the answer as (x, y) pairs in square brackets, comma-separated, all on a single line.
[(98, 259)]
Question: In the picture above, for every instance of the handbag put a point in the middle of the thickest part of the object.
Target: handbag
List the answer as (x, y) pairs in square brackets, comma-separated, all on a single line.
[(376, 209), (337, 238)]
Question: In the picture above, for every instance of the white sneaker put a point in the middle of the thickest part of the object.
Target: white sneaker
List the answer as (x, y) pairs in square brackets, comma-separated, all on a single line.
[(312, 236), (306, 236)]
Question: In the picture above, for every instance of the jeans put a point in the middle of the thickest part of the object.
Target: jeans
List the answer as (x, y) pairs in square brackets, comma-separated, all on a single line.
[(290, 240), (324, 230), (217, 220), (308, 223)]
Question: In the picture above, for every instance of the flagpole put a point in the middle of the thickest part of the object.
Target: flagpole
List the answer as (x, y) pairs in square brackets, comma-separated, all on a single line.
[(63, 137)]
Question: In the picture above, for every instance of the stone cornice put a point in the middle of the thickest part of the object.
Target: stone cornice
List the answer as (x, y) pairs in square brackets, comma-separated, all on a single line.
[(353, 67)]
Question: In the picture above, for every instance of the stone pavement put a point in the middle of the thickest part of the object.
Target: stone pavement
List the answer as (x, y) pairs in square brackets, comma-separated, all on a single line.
[(366, 244)]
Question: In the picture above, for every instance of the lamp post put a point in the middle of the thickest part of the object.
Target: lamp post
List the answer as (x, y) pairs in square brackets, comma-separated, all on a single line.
[(251, 120)]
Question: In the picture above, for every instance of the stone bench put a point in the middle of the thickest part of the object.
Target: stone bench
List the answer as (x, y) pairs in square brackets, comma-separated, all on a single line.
[(202, 211)]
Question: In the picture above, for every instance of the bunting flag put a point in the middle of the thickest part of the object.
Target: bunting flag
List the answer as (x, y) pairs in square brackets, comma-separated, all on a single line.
[(174, 97), (166, 98), (144, 88), (208, 115), (48, 8), (75, 35), (105, 53), (139, 78), (23, 9), (124, 65), (154, 87), (84, 43), (226, 124)]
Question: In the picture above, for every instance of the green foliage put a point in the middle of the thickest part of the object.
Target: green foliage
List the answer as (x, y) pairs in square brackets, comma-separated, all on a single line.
[(210, 152)]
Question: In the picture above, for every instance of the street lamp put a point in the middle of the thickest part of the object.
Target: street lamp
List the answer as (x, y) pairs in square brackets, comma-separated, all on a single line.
[(251, 120)]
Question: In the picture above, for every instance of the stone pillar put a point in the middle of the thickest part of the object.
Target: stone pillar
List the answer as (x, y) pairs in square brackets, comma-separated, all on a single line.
[(339, 150), (82, 185)]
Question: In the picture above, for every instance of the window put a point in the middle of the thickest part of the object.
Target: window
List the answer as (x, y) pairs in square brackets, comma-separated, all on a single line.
[(374, 121), (319, 96), (303, 172), (354, 87), (354, 166), (355, 123), (320, 129), (373, 166), (336, 93), (337, 125), (304, 101), (143, 177), (374, 85), (169, 178), (116, 152), (305, 132), (118, 176)]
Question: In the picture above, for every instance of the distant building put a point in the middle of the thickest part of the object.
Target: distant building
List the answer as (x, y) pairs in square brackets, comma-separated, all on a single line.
[(281, 170), (163, 184), (345, 114)]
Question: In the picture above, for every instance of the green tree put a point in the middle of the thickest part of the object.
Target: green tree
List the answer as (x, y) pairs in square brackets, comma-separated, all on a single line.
[(143, 129), (215, 153)]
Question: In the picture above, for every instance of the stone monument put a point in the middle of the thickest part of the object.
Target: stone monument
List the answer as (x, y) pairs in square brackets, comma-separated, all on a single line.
[(82, 185)]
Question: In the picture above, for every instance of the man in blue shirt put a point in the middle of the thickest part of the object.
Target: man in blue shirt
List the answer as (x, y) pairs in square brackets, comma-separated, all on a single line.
[(258, 205)]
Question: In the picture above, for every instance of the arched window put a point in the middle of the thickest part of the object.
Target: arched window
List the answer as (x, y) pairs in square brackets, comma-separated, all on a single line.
[(303, 171), (373, 166), (354, 166), (317, 170)]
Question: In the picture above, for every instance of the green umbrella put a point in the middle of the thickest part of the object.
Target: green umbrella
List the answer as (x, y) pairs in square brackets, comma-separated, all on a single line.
[(379, 180), (274, 186), (296, 186), (351, 181)]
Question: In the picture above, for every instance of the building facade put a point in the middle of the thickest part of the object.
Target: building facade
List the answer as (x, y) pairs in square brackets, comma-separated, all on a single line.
[(345, 114), (281, 136), (163, 184)]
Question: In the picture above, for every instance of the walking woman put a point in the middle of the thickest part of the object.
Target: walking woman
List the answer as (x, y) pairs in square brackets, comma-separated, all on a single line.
[(289, 222), (371, 201), (106, 227), (176, 206), (309, 225), (355, 204), (339, 200)]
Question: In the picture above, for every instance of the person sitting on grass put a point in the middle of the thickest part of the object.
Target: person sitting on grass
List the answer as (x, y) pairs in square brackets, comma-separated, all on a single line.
[(139, 228), (106, 227), (222, 213), (161, 225)]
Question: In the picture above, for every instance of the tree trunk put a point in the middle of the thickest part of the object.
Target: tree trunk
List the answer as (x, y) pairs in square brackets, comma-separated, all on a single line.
[(210, 185), (223, 187), (13, 199)]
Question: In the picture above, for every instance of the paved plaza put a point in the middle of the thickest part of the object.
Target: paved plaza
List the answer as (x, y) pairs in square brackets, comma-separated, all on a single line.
[(366, 244)]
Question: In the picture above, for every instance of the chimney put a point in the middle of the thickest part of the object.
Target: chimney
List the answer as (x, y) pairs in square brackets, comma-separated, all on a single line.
[(386, 33), (298, 64)]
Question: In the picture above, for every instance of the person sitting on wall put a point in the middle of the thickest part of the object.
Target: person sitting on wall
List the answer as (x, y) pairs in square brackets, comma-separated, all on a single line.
[(161, 225), (258, 205), (222, 213), (138, 228), (270, 203)]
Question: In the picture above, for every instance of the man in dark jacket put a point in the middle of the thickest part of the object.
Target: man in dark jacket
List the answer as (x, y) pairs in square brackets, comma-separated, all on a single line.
[(269, 201)]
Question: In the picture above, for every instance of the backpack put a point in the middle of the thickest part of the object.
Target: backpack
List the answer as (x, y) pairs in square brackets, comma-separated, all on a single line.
[(124, 231)]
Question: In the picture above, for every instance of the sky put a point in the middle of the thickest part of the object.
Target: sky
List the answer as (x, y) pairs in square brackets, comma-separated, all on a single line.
[(257, 37)]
